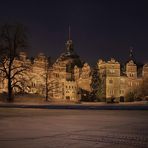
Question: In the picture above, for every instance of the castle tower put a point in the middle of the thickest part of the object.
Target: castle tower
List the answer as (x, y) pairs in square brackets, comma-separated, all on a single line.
[(65, 70), (145, 71), (131, 69), (110, 71), (112, 78)]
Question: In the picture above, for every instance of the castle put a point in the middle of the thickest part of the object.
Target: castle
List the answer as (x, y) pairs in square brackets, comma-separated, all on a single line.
[(69, 74), (119, 82)]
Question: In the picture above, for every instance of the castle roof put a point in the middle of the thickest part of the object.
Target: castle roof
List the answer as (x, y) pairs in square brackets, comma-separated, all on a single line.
[(70, 57)]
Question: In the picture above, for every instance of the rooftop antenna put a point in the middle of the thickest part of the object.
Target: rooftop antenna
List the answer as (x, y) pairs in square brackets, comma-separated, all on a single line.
[(131, 52)]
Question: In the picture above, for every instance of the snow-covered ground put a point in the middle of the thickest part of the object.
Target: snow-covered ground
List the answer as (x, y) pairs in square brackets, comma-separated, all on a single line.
[(40, 128)]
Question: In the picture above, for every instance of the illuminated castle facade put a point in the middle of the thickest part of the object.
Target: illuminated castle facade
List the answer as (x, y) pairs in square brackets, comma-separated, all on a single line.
[(64, 78), (119, 82), (69, 74)]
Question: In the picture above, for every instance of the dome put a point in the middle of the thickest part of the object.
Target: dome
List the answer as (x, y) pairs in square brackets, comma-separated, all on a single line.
[(70, 57)]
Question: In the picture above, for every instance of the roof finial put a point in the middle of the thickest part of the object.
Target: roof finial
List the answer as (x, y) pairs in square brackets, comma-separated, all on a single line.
[(69, 32), (131, 52)]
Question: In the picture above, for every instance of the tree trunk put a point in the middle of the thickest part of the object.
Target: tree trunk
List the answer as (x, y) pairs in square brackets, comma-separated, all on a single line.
[(46, 89), (10, 91)]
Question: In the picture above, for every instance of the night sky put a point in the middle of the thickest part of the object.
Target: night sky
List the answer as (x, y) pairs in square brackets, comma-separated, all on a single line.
[(99, 28)]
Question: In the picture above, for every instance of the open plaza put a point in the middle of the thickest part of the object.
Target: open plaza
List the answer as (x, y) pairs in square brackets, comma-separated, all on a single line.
[(44, 128)]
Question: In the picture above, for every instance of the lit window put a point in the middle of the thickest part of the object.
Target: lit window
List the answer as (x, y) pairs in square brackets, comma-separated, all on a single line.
[(121, 92), (130, 83), (112, 71), (111, 92)]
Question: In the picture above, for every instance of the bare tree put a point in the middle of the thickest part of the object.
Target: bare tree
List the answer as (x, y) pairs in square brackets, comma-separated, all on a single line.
[(53, 88), (46, 77), (12, 39), (51, 85)]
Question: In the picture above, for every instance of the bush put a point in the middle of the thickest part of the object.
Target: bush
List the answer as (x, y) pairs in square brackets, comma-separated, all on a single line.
[(110, 100), (138, 99), (100, 100), (130, 97)]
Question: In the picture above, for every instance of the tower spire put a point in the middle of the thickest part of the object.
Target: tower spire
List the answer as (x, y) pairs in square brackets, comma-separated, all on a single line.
[(131, 52), (69, 44)]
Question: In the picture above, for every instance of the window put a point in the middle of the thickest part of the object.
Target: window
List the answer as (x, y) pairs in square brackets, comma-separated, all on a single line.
[(110, 81), (67, 97), (121, 92), (111, 92), (57, 75), (130, 84), (33, 84), (112, 71), (131, 74)]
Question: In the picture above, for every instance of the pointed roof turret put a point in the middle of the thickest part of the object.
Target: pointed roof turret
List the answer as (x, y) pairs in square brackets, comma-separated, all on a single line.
[(69, 43), (131, 56)]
